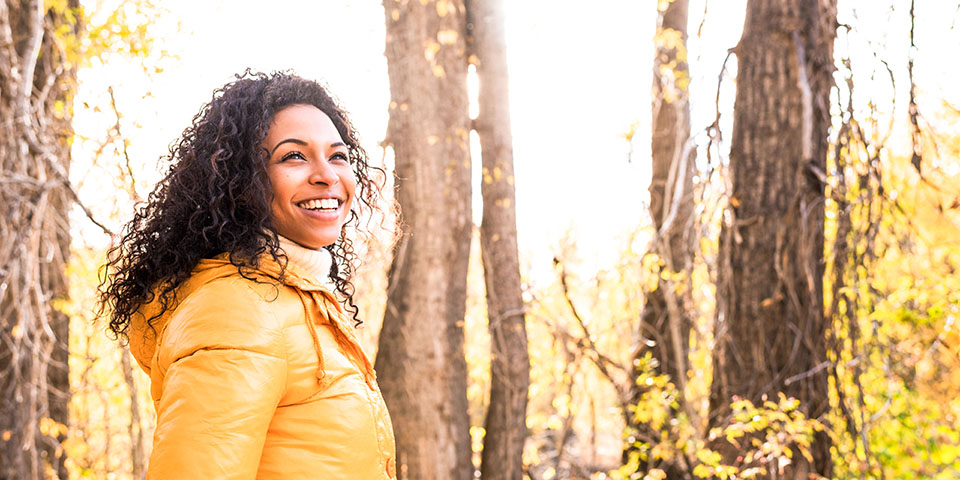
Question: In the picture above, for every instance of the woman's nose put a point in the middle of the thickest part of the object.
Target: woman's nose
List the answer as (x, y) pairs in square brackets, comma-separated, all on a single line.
[(323, 172)]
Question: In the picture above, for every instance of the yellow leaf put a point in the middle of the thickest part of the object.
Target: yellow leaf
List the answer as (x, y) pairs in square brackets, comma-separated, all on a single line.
[(447, 37), (430, 53), (655, 474), (806, 454)]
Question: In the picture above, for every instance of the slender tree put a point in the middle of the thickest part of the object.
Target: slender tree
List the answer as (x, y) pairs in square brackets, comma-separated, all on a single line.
[(421, 358), (37, 85), (505, 423), (665, 319), (671, 184), (771, 329)]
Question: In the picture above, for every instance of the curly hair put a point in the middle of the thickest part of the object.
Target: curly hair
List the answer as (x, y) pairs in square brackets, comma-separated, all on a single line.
[(216, 198)]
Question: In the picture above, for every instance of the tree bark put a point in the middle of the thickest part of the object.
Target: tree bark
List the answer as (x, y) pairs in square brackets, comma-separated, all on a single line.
[(771, 328), (505, 424), (665, 317), (138, 463), (36, 91), (421, 359)]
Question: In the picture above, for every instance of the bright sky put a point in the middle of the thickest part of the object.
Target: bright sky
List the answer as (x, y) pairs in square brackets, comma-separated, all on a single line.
[(579, 76)]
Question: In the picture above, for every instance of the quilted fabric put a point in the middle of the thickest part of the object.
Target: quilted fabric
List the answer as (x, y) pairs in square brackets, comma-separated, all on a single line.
[(260, 378)]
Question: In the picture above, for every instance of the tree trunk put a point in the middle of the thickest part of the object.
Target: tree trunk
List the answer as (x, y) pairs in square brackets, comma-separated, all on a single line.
[(421, 360), (505, 425), (138, 463), (665, 317), (36, 91), (770, 333)]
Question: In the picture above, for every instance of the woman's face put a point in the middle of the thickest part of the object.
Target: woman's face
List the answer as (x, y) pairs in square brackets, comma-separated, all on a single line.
[(309, 168)]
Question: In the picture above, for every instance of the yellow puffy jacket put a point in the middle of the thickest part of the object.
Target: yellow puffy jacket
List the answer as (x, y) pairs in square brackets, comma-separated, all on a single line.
[(257, 379)]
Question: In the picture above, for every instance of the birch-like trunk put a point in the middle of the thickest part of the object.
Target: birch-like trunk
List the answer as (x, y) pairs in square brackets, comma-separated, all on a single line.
[(665, 319), (420, 362), (505, 425)]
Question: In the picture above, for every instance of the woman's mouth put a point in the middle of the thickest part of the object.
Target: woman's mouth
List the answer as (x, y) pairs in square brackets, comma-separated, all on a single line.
[(320, 204)]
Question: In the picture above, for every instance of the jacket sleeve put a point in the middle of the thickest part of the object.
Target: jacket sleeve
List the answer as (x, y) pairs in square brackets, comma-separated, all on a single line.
[(223, 367)]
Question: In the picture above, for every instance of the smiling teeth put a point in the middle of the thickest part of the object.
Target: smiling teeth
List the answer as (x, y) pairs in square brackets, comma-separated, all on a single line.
[(324, 203)]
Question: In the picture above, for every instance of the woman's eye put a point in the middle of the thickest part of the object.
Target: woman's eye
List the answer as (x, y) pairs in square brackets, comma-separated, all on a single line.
[(293, 155), (339, 156)]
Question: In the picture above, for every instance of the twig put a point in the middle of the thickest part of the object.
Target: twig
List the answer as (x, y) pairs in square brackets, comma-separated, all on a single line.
[(602, 361), (123, 143)]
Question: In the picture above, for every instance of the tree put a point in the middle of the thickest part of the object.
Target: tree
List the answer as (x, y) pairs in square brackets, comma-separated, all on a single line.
[(37, 84), (770, 333), (665, 318), (421, 363), (505, 424)]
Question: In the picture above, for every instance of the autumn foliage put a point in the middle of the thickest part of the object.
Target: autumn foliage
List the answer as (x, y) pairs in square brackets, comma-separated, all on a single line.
[(603, 403)]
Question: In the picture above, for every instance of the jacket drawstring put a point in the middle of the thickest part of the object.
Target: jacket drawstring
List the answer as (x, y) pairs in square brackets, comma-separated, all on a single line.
[(343, 334), (347, 339), (308, 319)]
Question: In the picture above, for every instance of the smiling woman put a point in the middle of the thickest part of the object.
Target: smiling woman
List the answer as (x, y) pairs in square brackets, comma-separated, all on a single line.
[(229, 285)]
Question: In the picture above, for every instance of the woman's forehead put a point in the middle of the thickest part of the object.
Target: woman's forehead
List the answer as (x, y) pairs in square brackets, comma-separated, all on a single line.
[(305, 122)]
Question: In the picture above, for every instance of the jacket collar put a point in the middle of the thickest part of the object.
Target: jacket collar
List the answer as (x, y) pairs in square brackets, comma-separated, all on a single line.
[(142, 337)]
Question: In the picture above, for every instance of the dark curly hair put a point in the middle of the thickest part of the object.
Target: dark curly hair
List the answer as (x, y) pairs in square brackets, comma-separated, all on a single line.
[(216, 198)]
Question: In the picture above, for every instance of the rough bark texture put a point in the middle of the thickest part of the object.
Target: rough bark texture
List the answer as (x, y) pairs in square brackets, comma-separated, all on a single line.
[(421, 363), (505, 425), (665, 318), (36, 91), (771, 329)]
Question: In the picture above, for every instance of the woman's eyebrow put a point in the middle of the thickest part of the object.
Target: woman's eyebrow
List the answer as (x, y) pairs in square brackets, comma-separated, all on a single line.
[(303, 144), (289, 140)]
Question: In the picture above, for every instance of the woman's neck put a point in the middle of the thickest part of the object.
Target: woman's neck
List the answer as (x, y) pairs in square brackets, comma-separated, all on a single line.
[(317, 263)]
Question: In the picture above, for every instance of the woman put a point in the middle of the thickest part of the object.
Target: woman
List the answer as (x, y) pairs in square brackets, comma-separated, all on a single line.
[(226, 284)]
